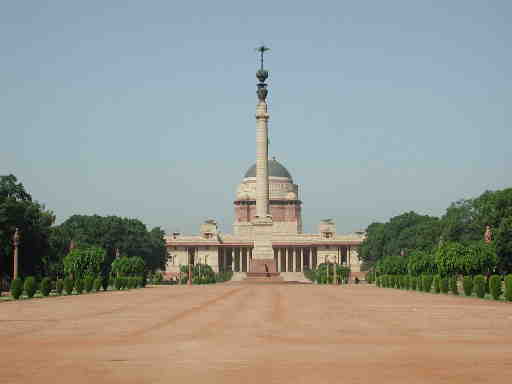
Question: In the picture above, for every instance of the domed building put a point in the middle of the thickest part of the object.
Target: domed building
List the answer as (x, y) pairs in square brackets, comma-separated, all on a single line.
[(284, 205), (267, 236)]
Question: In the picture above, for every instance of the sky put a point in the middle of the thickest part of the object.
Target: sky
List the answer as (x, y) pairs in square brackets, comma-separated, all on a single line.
[(145, 109)]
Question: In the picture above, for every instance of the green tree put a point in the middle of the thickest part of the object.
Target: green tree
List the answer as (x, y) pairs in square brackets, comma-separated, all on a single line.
[(18, 210), (447, 258), (129, 236), (421, 262), (128, 266), (83, 261), (403, 233), (503, 243)]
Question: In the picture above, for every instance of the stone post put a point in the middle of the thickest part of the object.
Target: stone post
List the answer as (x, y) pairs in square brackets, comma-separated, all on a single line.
[(16, 243)]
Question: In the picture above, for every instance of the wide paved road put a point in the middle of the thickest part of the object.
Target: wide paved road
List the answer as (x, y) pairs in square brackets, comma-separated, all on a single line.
[(235, 333)]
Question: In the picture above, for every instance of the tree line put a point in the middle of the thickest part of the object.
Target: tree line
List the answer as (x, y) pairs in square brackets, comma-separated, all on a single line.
[(44, 246), (451, 244)]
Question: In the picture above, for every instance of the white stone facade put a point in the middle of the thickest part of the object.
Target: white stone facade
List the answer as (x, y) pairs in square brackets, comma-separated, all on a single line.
[(268, 224)]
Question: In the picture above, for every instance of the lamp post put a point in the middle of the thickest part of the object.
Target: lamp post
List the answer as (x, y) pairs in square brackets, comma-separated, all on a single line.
[(16, 243)]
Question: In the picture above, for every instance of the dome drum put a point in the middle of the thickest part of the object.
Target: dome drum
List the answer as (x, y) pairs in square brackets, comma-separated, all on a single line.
[(284, 204)]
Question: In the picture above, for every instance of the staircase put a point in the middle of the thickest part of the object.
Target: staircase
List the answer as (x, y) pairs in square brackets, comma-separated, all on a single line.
[(263, 271)]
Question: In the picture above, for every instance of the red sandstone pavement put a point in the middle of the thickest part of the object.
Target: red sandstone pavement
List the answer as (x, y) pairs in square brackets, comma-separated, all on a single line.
[(236, 333)]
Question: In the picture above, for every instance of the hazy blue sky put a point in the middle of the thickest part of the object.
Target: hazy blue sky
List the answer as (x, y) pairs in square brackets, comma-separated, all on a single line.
[(146, 108)]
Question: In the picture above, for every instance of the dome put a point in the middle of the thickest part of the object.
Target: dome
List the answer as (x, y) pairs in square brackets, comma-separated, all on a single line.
[(275, 169)]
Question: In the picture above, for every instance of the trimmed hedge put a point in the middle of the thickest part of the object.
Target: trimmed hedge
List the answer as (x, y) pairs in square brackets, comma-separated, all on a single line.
[(407, 281), (495, 286), (444, 285), (427, 283), (467, 285), (508, 287), (88, 283), (59, 286), (437, 284), (30, 286), (479, 285), (97, 284), (45, 287), (17, 288), (79, 286), (68, 285), (453, 285)]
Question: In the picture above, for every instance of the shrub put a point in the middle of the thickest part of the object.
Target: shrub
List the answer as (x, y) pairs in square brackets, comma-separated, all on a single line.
[(17, 288), (59, 286), (437, 284), (414, 282), (68, 285), (227, 275), (88, 283), (30, 286), (508, 287), (105, 282), (444, 284), (46, 286), (427, 283), (97, 283), (479, 285), (419, 283), (453, 285), (79, 286), (467, 285), (495, 287), (118, 283), (487, 290)]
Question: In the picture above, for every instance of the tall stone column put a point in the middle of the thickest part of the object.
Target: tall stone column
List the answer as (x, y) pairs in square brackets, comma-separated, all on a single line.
[(262, 223), (262, 159)]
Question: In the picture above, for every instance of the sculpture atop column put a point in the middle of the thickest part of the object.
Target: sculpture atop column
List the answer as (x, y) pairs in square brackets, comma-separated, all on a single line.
[(488, 234), (262, 193)]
